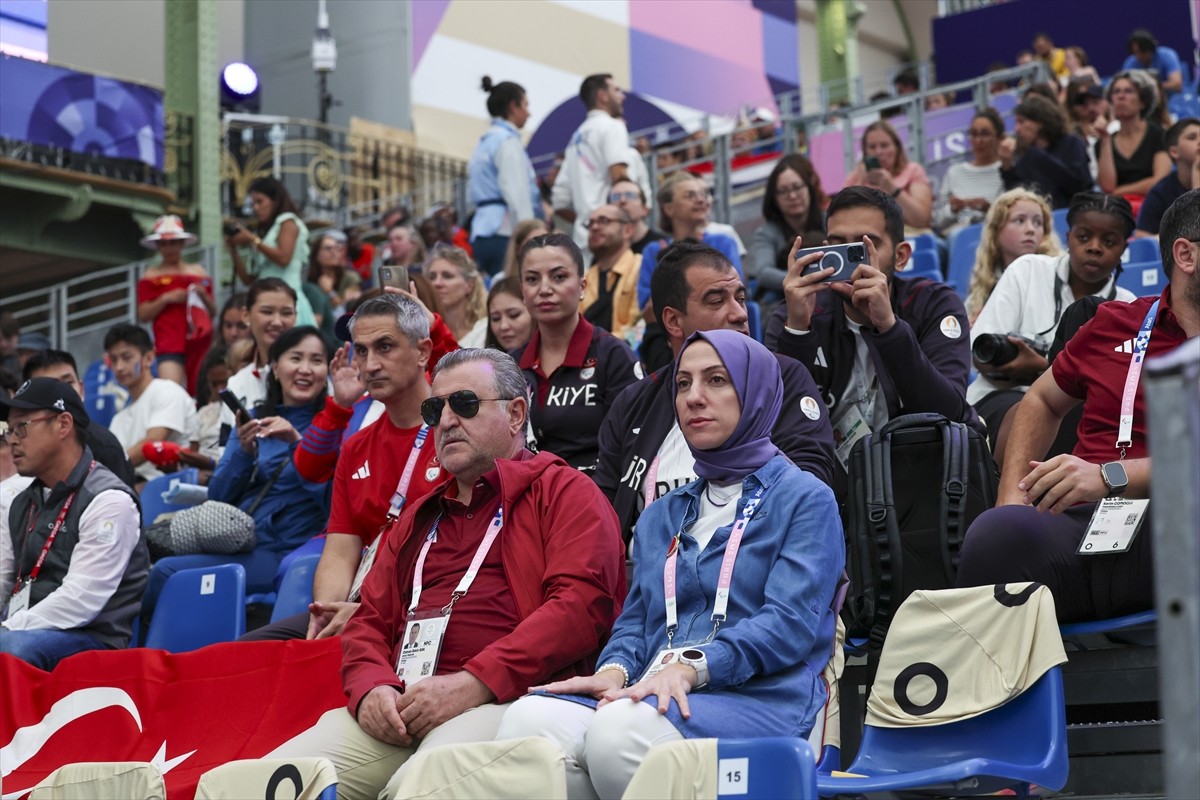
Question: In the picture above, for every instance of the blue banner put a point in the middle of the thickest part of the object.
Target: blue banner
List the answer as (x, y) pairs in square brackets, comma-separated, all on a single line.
[(59, 107)]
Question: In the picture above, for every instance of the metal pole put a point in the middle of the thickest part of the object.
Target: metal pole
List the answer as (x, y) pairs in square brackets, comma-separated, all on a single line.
[(1173, 418)]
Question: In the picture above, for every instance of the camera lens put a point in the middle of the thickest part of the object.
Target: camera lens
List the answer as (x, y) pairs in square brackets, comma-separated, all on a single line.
[(994, 349), (856, 253)]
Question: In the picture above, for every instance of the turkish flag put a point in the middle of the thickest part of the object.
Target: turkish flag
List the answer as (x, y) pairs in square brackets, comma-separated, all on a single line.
[(185, 712)]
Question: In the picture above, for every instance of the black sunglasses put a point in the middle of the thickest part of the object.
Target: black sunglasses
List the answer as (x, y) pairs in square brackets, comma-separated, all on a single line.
[(464, 403)]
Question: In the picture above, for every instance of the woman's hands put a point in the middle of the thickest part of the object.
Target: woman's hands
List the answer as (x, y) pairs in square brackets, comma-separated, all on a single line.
[(881, 180), (278, 427), (243, 237), (1008, 150), (675, 681)]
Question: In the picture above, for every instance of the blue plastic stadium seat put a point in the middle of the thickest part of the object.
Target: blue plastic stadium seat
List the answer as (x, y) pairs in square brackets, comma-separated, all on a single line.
[(199, 607), (1109, 625), (963, 244), (1022, 742), (754, 312), (1141, 249), (1142, 278), (1059, 220), (923, 264), (296, 590), (924, 242), (773, 767), (152, 495), (104, 397)]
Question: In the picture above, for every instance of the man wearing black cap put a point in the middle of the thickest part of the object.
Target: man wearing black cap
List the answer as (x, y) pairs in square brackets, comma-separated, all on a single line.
[(73, 562)]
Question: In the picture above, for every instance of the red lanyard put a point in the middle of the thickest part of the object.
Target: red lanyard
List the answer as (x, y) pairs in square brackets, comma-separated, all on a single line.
[(62, 517)]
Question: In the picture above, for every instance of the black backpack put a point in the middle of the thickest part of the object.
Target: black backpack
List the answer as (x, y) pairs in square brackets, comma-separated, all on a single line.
[(914, 488)]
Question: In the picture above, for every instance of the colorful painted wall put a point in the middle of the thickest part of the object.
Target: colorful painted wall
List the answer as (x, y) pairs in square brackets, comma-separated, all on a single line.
[(684, 58)]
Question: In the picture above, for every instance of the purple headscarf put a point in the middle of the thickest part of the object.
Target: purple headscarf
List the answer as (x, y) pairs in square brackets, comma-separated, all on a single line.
[(756, 377)]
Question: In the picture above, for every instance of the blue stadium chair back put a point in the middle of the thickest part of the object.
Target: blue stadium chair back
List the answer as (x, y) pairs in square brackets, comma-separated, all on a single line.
[(1059, 222), (963, 245), (767, 768), (199, 607), (754, 313), (1184, 104), (1143, 278), (1022, 742), (152, 495), (924, 241), (296, 588), (104, 396), (1138, 629), (1140, 250), (923, 264)]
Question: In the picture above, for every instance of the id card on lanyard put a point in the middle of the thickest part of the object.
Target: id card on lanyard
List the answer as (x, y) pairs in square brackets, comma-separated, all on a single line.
[(399, 498), (23, 588), (670, 653), (1116, 520), (425, 631)]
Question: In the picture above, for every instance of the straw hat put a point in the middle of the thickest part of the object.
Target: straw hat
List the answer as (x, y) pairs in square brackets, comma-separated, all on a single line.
[(166, 229)]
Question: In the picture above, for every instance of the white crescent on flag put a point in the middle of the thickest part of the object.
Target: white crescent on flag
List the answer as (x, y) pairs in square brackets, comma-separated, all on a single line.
[(27, 741)]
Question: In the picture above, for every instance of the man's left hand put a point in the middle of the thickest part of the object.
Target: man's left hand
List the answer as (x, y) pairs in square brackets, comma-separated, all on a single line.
[(434, 700), (869, 293), (1062, 482)]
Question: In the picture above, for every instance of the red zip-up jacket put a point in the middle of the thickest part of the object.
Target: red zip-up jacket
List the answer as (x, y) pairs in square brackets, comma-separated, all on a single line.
[(564, 561)]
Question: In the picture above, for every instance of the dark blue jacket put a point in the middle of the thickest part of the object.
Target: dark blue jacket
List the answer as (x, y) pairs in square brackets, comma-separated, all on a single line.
[(294, 510), (921, 368)]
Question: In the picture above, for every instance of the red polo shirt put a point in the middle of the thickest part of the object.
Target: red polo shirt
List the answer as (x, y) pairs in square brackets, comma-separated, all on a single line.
[(1094, 364)]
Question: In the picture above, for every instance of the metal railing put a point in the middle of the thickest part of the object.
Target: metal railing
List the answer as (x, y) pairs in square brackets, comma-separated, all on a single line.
[(332, 174), (75, 313)]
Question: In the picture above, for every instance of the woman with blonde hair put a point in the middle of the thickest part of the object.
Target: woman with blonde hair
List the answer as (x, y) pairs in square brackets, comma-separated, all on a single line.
[(461, 296), (885, 166), (523, 231), (1018, 224)]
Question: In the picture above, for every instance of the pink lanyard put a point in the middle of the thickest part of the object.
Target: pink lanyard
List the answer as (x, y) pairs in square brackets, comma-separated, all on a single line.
[(62, 517), (721, 605), (399, 498), (468, 577), (1140, 345)]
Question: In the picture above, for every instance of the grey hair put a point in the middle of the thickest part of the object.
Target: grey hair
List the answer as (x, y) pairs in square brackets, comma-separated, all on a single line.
[(410, 317), (507, 378)]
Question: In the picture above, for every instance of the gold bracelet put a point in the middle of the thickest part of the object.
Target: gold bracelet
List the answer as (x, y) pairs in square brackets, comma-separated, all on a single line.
[(257, 242)]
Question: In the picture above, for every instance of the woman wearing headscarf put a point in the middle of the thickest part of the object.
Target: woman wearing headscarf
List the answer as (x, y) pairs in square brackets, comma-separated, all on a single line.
[(688, 659)]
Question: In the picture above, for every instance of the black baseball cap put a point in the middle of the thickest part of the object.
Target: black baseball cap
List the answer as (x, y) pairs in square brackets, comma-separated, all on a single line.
[(49, 394)]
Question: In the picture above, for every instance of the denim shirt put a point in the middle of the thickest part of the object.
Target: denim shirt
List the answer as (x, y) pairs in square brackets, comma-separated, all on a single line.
[(779, 629)]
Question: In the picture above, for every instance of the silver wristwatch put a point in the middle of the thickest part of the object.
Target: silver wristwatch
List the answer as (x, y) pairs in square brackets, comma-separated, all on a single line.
[(696, 660)]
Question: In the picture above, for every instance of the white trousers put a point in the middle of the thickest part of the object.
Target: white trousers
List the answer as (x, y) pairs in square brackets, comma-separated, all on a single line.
[(603, 747), (368, 768)]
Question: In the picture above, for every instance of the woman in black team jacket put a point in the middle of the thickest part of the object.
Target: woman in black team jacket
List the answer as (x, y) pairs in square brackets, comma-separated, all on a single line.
[(574, 370)]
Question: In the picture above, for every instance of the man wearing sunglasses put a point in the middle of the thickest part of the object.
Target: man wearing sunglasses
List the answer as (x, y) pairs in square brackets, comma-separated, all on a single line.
[(73, 562), (513, 568)]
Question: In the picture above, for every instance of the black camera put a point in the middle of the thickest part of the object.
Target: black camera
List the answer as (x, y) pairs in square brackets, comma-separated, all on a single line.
[(231, 229), (995, 349)]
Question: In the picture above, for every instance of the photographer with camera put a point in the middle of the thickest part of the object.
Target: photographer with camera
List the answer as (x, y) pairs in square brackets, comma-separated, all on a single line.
[(878, 345), (1014, 331)]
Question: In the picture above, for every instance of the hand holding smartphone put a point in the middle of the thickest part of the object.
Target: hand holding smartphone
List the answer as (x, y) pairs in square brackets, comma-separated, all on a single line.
[(231, 401)]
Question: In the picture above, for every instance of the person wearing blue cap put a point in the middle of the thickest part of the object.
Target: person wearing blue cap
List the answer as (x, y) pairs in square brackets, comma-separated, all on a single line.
[(73, 561)]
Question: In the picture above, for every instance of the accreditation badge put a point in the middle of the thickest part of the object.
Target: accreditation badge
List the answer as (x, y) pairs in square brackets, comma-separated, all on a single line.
[(848, 429), (664, 659), (422, 646), (20, 600), (1114, 524)]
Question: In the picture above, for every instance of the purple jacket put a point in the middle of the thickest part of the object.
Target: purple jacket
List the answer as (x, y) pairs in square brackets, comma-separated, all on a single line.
[(923, 362)]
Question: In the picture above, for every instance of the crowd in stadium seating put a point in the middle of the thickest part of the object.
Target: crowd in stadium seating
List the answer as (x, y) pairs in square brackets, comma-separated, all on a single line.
[(494, 455)]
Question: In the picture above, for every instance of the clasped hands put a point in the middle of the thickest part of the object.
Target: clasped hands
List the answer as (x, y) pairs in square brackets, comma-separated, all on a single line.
[(399, 718)]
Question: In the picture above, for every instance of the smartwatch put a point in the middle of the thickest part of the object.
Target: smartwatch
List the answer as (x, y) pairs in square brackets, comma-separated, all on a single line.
[(1115, 478), (696, 660)]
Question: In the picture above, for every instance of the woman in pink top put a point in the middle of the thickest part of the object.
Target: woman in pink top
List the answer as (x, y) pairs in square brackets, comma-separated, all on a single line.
[(886, 167)]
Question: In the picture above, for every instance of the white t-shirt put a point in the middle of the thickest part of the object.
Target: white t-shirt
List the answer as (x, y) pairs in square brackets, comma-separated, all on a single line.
[(477, 336), (718, 507), (1023, 304), (164, 404), (862, 390), (675, 465), (583, 181), (9, 489)]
